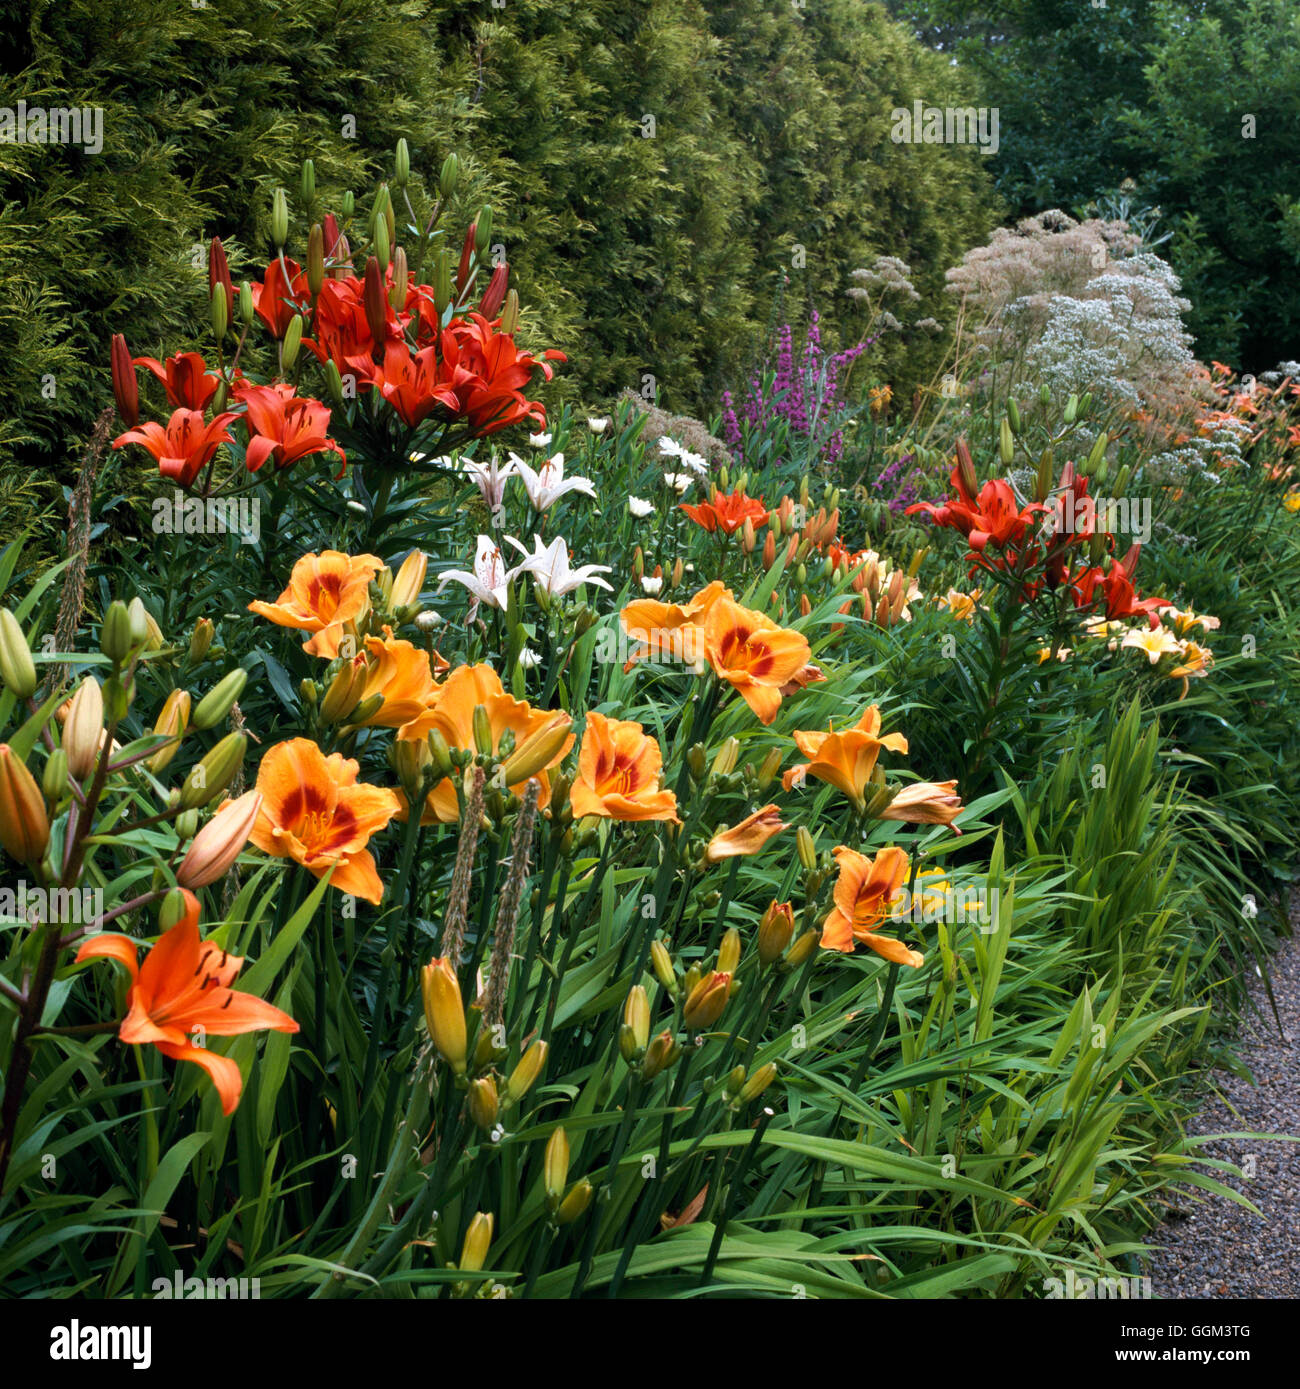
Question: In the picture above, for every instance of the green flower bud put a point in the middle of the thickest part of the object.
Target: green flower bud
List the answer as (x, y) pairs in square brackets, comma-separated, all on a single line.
[(246, 304), (401, 164), (292, 341), (449, 177), (1013, 415), (220, 312), (17, 669), (217, 703), (483, 230), (279, 219), (173, 909), (217, 770), (115, 634), (54, 781), (308, 181)]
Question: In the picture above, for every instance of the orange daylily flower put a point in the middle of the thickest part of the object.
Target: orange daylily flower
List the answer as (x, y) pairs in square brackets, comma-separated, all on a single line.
[(727, 512), (452, 714), (183, 989), (845, 760), (748, 837), (863, 891), (619, 769), (925, 803), (325, 591), (401, 673), (753, 654), (315, 812), (670, 631)]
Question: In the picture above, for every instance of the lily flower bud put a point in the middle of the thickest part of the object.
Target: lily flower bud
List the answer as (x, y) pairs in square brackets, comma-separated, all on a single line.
[(1006, 444), (308, 184), (126, 390), (555, 1168), (410, 758), (218, 844), (662, 962), (344, 693), (444, 1012), (440, 753), (729, 951), (200, 640), (478, 1239), (769, 767), (279, 219), (24, 827), (775, 932), (401, 279), (219, 700), (966, 468), (246, 304), (219, 312), (173, 720), (659, 1055), (215, 772), (315, 259), (757, 1083), (17, 669), (175, 906), (292, 342), (706, 1001), (483, 230), (495, 294), (482, 726), (636, 1018), (575, 1203), (54, 780), (801, 950), (524, 1076), (409, 580), (401, 164), (374, 303), (449, 176), (482, 1102), (510, 314), (83, 731), (115, 633), (725, 761), (466, 258), (539, 751), (383, 243)]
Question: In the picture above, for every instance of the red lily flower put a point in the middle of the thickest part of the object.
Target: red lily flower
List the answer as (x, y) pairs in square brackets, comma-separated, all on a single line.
[(991, 518), (184, 446), (727, 512), (411, 385), (284, 427), (182, 992), (343, 332), (487, 372), (276, 300), (186, 378)]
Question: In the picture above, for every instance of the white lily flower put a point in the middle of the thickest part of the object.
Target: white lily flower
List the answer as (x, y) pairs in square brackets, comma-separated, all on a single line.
[(490, 478), (670, 448), (549, 565), (548, 484), (539, 441), (680, 481), (639, 507), (528, 658), (597, 425), (490, 579), (651, 584)]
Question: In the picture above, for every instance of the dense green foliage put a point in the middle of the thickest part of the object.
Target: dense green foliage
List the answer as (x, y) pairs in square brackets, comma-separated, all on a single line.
[(644, 253)]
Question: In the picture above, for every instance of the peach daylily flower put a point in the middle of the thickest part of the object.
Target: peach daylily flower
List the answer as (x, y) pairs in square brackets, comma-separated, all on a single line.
[(452, 715), (863, 893), (1154, 642), (619, 770), (325, 591), (402, 674), (748, 837), (753, 654), (925, 803), (183, 989), (847, 759), (315, 812), (671, 631)]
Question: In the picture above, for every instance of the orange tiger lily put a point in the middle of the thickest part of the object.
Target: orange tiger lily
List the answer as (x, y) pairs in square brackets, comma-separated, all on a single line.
[(183, 989), (619, 768), (325, 591), (863, 891), (452, 715), (314, 812), (845, 760), (184, 446), (753, 654)]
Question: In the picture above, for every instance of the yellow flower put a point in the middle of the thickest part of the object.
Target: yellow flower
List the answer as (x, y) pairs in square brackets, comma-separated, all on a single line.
[(1154, 641)]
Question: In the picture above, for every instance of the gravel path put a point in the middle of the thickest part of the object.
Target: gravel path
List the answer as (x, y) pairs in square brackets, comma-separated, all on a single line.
[(1209, 1247)]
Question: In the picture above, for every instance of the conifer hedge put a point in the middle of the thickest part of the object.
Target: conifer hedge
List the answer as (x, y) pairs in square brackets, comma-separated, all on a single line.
[(651, 167)]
